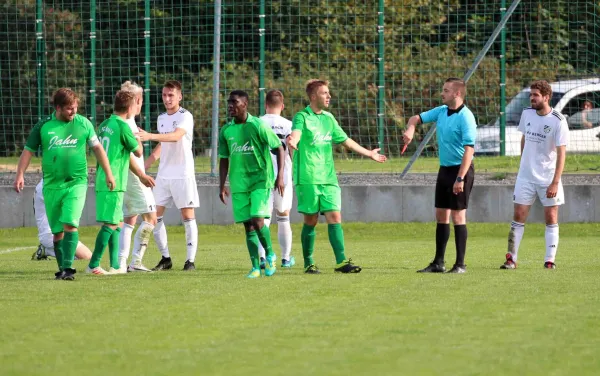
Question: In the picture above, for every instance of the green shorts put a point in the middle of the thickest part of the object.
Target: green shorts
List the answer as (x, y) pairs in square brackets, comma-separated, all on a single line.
[(254, 204), (109, 207), (64, 206), (318, 198)]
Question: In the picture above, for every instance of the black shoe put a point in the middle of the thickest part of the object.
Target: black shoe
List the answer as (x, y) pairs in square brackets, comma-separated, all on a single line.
[(433, 268), (312, 269), (39, 254), (262, 263), (164, 264), (459, 269), (69, 275), (549, 265), (59, 274), (189, 266), (347, 266)]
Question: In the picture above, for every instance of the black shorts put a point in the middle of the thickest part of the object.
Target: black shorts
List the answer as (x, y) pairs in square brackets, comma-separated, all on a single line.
[(444, 197)]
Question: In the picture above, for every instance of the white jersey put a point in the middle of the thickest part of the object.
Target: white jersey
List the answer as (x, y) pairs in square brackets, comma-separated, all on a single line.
[(282, 128), (134, 128), (176, 158), (542, 135)]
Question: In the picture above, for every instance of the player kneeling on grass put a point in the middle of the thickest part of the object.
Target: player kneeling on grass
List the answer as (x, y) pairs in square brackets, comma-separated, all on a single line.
[(62, 138), (118, 141), (543, 152), (314, 131), (245, 146)]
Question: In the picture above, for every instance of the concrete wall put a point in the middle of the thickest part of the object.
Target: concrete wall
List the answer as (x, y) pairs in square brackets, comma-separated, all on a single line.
[(360, 204)]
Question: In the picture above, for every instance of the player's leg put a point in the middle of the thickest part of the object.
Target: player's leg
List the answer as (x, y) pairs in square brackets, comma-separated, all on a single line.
[(46, 246), (163, 198), (70, 215), (125, 239), (82, 252), (240, 204), (551, 206), (140, 200), (140, 244), (259, 210), (106, 206), (267, 221), (523, 197), (308, 204), (459, 206), (53, 200), (185, 196), (283, 205)]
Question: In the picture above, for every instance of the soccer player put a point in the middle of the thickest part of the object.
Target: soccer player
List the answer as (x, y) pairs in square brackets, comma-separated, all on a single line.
[(543, 152), (283, 203), (138, 199), (245, 145), (176, 179), (314, 131), (118, 142), (46, 247), (456, 131), (63, 137)]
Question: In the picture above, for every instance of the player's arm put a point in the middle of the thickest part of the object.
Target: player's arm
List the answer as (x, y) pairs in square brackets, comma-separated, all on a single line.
[(468, 129), (103, 162), (223, 171), (522, 143), (147, 180), (410, 129), (24, 161), (153, 157), (174, 136), (562, 139), (139, 151), (293, 139), (350, 144), (279, 185)]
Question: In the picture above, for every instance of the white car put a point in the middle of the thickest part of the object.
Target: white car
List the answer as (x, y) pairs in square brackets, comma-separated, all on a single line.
[(568, 97)]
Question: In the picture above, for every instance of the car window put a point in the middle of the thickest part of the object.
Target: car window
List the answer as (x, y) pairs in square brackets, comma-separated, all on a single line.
[(581, 102), (585, 119)]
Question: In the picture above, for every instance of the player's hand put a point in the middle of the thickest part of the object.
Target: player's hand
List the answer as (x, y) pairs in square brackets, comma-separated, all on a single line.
[(19, 184), (408, 135), (224, 194), (148, 181), (144, 136), (552, 190), (458, 187), (377, 157), (292, 143), (110, 182), (279, 185)]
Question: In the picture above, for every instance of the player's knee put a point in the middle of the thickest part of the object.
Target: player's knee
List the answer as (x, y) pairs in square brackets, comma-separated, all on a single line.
[(311, 220), (283, 213), (459, 217)]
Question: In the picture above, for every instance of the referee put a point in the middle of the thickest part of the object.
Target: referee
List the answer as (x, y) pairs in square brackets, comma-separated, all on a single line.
[(456, 139)]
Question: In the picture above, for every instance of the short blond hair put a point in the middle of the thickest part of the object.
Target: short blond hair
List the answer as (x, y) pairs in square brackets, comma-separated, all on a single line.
[(132, 87)]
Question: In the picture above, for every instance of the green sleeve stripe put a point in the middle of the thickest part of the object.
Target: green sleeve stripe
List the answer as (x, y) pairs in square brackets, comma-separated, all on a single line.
[(30, 149)]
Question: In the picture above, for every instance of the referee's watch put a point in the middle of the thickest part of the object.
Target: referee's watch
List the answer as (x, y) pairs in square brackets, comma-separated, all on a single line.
[(459, 179)]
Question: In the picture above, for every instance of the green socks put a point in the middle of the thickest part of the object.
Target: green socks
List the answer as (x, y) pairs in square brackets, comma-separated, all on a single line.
[(264, 235), (336, 239), (103, 238), (58, 251), (113, 248), (308, 244), (70, 242), (252, 243)]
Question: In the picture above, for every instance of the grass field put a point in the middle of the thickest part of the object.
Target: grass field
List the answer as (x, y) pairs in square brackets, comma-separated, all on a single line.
[(575, 163), (387, 320)]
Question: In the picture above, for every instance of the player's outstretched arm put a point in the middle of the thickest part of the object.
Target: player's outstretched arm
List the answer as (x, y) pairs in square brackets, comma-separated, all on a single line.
[(153, 157), (410, 129), (103, 162), (223, 171), (24, 161), (373, 154), (164, 137), (293, 139), (148, 181)]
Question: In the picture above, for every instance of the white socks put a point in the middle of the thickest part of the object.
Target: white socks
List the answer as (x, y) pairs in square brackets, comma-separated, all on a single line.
[(191, 238), (160, 237), (515, 235), (125, 241), (284, 235), (140, 242), (551, 242), (261, 250)]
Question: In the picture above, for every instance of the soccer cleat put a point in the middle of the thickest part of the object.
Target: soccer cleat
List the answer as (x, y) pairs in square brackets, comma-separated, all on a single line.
[(40, 253), (549, 265), (165, 263), (312, 269), (138, 268), (254, 273), (59, 274), (189, 266), (509, 263), (97, 270), (347, 266), (458, 269), (433, 268), (288, 263), (262, 263), (270, 266), (69, 275)]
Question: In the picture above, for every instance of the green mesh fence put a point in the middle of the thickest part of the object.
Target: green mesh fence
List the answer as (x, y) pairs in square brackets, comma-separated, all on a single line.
[(386, 61)]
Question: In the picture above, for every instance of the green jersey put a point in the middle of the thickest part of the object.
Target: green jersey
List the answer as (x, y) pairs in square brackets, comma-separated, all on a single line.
[(64, 159), (248, 147), (313, 161), (118, 142)]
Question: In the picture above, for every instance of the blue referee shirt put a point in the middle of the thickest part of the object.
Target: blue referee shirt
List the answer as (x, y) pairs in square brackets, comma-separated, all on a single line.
[(455, 130)]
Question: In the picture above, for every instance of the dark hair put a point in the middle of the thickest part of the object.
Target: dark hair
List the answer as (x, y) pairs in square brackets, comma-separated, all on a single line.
[(313, 85), (240, 94), (459, 85), (123, 101), (64, 97), (274, 98), (173, 84), (543, 86)]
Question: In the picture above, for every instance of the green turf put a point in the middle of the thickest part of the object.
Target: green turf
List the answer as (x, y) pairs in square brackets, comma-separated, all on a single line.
[(575, 163), (388, 320)]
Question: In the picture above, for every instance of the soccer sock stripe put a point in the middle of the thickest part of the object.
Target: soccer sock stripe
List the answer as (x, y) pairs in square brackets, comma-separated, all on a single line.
[(191, 238), (125, 240), (160, 237), (515, 235), (551, 242)]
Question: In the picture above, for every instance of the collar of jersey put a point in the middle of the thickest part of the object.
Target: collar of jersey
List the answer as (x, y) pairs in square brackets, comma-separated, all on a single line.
[(311, 112), (247, 120), (452, 112)]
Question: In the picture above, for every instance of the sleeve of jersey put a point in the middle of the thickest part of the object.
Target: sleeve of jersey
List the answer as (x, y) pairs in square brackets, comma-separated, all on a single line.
[(431, 115), (188, 123), (338, 135), (562, 137), (128, 138), (92, 139), (469, 130), (298, 122), (521, 127), (267, 134), (223, 149), (34, 141)]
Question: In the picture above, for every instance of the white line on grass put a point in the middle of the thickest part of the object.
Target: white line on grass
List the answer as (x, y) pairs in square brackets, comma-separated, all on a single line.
[(11, 250)]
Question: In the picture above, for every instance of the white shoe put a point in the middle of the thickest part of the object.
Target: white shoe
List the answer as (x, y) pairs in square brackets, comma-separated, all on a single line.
[(138, 268), (116, 271), (97, 270), (123, 263)]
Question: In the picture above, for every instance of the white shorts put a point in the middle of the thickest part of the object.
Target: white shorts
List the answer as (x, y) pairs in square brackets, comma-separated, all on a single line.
[(181, 192), (526, 192), (282, 203), (138, 198), (41, 220)]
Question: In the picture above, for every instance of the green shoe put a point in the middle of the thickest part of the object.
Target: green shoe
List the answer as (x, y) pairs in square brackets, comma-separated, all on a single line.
[(270, 266), (288, 263), (254, 273)]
